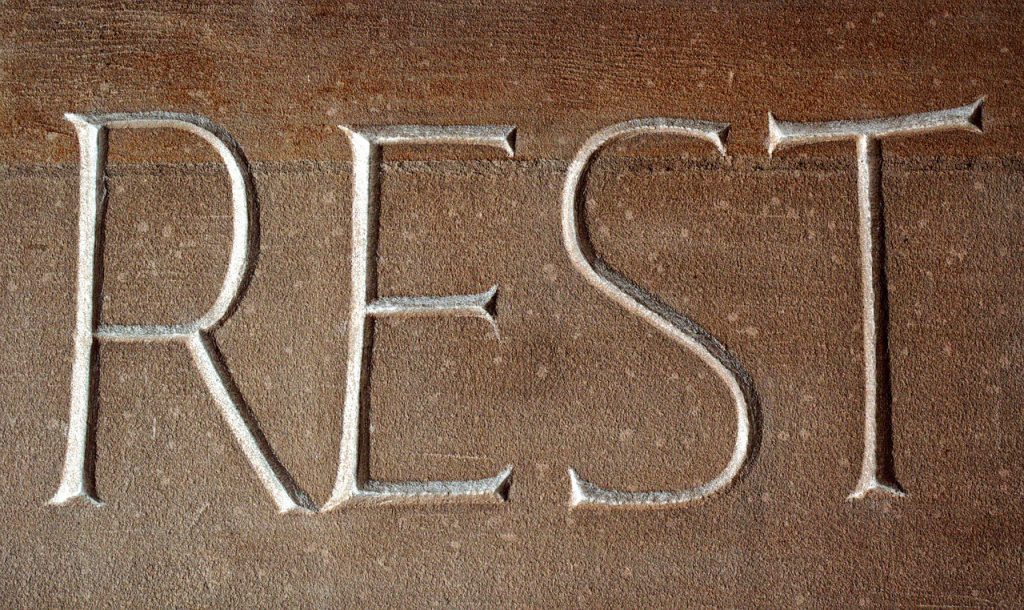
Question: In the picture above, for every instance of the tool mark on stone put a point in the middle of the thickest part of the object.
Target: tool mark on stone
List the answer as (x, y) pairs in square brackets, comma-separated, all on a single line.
[(353, 483), (877, 468), (78, 479), (637, 301)]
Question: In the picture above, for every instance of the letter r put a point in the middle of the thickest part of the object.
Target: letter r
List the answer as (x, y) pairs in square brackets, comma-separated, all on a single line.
[(78, 479)]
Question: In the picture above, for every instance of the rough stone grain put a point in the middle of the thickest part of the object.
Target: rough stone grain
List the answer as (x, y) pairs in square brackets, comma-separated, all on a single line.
[(762, 252)]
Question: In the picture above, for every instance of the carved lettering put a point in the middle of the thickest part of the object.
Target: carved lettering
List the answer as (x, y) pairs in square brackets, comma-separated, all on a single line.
[(877, 469), (639, 302), (78, 480), (353, 483)]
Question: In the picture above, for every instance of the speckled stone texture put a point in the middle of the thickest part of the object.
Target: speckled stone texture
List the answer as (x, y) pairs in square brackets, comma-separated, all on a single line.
[(762, 252)]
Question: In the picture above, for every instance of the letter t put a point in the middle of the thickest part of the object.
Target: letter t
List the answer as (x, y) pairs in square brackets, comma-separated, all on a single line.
[(877, 472)]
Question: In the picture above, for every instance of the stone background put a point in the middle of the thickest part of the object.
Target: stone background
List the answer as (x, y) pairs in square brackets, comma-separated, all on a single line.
[(762, 252)]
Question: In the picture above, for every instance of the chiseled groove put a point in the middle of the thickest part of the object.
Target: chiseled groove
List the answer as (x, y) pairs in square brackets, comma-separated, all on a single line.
[(353, 483), (877, 468), (78, 474), (646, 306)]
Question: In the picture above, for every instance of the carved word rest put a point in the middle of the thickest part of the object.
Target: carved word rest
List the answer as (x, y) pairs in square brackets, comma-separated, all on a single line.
[(353, 483)]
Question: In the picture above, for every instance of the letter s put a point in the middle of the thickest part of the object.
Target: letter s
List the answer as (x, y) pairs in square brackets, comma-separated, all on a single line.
[(645, 305)]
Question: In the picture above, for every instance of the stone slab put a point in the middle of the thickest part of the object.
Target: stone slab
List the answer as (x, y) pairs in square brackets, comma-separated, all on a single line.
[(761, 252)]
